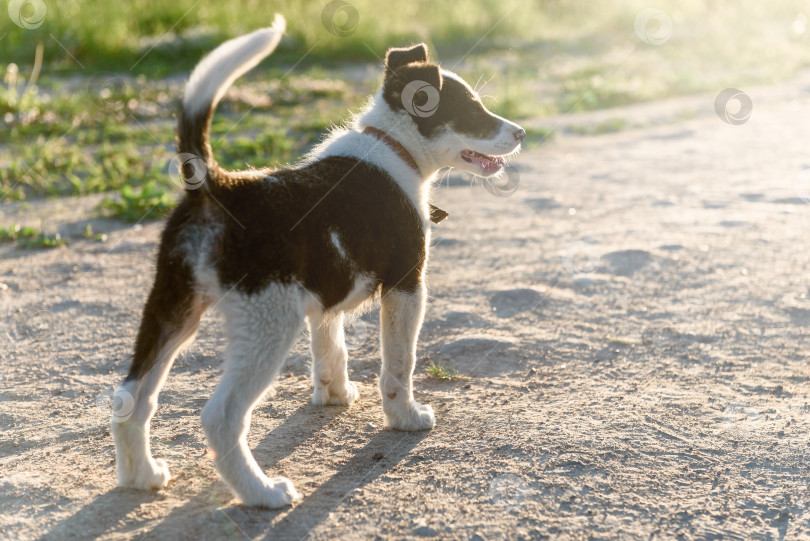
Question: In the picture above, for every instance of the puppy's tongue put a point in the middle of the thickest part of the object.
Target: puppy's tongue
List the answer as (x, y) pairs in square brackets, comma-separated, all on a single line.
[(489, 164)]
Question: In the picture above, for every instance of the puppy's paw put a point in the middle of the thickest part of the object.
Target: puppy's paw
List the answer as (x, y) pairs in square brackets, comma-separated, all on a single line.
[(411, 417), (276, 492), (335, 394), (149, 475)]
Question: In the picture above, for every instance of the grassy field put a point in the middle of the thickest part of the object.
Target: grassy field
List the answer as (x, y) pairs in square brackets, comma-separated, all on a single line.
[(89, 92)]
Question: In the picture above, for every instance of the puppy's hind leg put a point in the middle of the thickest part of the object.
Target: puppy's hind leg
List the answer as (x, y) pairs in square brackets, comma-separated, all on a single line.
[(170, 320), (330, 376), (261, 328)]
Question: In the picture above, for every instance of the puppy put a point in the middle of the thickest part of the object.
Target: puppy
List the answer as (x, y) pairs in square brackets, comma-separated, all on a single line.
[(277, 248)]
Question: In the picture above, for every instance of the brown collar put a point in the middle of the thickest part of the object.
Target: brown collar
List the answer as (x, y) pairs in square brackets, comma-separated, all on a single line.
[(436, 214)]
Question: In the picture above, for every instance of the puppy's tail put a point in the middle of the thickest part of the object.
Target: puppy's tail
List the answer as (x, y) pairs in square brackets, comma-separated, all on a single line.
[(208, 83)]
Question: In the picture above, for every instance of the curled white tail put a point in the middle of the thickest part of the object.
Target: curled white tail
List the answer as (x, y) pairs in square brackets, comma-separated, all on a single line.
[(217, 71)]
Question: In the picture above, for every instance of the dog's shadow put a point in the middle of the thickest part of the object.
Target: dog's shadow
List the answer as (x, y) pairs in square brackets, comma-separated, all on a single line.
[(209, 511), (383, 452)]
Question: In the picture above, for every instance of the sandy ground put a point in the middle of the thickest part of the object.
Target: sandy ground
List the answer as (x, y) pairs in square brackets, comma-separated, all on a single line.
[(631, 323)]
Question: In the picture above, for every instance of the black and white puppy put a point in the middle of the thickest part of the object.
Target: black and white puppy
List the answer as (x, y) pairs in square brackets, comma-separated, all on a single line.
[(277, 248)]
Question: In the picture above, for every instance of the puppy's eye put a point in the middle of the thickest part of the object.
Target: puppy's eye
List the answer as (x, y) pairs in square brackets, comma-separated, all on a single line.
[(420, 98)]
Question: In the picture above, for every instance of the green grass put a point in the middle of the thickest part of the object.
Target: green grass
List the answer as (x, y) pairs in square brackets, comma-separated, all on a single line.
[(157, 37), (88, 233), (443, 372), (538, 135), (75, 143), (30, 237), (135, 204), (82, 129)]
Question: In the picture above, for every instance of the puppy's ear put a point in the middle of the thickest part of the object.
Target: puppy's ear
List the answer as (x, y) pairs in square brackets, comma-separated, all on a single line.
[(415, 84), (396, 58)]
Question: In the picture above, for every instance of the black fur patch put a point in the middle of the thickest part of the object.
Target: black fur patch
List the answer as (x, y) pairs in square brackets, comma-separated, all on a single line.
[(286, 228), (459, 108), (398, 57), (171, 297)]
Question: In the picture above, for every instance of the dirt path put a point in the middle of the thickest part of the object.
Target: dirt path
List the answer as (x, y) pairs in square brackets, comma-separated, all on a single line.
[(632, 323)]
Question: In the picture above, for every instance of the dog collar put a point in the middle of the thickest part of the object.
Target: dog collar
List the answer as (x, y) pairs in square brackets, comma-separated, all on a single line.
[(436, 214)]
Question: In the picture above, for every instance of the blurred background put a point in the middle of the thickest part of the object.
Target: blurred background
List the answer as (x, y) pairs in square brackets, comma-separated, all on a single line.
[(89, 88)]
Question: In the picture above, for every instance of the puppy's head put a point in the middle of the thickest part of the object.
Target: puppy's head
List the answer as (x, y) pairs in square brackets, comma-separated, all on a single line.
[(448, 113)]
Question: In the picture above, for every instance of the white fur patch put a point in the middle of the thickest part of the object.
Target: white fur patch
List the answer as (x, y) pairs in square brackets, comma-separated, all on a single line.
[(261, 329), (359, 295), (135, 404), (336, 243), (330, 376), (366, 147), (400, 320), (217, 71)]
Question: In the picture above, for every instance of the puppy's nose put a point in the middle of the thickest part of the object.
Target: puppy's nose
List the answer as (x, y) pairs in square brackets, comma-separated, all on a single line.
[(520, 134)]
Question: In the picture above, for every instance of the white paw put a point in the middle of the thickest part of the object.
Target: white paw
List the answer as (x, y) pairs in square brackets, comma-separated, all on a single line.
[(277, 492), (335, 394), (149, 475), (411, 417)]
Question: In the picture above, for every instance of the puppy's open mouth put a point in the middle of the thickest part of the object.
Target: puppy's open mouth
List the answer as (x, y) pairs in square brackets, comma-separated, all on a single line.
[(488, 164)]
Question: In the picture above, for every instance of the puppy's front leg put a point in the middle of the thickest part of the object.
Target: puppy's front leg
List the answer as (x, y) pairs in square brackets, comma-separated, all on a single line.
[(329, 373), (401, 318)]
